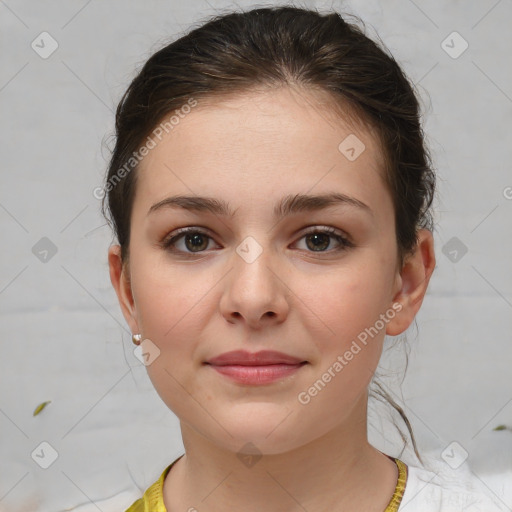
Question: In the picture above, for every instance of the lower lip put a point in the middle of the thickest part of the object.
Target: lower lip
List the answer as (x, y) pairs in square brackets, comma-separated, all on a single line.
[(255, 375)]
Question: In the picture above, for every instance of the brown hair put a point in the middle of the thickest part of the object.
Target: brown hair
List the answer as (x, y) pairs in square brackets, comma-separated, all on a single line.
[(271, 47)]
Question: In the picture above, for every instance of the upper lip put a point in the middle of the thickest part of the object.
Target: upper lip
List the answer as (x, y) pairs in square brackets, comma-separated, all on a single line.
[(262, 358)]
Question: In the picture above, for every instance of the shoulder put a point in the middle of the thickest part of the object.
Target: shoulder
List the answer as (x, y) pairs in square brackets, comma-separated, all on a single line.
[(153, 499), (137, 506), (438, 488)]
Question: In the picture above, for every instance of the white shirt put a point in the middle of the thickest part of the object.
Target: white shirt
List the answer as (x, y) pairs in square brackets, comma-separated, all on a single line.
[(443, 489)]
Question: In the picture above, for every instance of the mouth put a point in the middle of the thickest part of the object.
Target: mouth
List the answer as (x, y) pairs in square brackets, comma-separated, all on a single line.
[(263, 358), (258, 375), (259, 368)]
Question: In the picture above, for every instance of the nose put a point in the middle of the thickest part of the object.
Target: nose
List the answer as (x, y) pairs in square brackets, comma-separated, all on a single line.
[(255, 290)]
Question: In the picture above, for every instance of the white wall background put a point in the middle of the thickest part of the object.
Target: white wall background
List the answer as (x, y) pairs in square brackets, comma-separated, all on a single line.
[(63, 337)]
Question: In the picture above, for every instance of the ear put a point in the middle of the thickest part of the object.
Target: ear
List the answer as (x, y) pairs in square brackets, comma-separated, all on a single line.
[(412, 283), (119, 276)]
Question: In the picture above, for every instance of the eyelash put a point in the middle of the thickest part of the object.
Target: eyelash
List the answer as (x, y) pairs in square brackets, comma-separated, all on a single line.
[(168, 242)]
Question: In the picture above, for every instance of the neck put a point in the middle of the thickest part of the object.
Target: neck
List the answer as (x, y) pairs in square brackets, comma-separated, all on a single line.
[(339, 471)]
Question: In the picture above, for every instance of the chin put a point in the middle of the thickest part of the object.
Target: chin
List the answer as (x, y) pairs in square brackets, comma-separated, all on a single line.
[(260, 428), (244, 443)]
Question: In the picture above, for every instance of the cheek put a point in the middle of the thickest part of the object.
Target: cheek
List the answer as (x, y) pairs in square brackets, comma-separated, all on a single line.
[(348, 303), (349, 337), (169, 299), (348, 343), (174, 306), (172, 311)]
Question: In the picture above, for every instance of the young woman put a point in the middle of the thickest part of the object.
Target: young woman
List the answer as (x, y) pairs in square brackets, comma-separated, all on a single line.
[(270, 192)]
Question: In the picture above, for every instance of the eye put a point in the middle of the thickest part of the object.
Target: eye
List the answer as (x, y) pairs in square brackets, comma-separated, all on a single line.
[(195, 241), (319, 239)]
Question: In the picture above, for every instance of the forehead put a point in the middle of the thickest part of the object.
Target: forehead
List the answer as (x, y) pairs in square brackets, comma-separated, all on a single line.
[(262, 143), (285, 116)]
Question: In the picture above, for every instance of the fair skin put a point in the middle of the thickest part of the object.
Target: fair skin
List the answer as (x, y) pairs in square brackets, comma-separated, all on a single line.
[(250, 151)]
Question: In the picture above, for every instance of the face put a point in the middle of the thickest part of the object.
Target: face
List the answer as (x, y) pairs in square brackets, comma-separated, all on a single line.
[(247, 279)]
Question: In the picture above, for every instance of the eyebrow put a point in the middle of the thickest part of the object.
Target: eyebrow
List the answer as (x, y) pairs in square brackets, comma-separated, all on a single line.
[(288, 205)]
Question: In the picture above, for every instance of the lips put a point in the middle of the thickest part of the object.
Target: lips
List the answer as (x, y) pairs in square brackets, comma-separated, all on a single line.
[(256, 369), (262, 358)]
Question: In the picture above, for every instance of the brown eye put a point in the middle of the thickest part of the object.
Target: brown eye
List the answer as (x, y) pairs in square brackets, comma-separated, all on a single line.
[(194, 241), (318, 240)]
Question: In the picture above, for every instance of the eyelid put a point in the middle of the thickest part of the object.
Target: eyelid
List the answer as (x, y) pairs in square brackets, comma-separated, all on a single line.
[(327, 229), (181, 231)]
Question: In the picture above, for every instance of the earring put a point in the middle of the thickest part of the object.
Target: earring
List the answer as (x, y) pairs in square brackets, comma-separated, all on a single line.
[(136, 338)]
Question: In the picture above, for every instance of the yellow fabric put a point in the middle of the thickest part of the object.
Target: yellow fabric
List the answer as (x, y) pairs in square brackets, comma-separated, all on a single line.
[(153, 500), (400, 486)]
